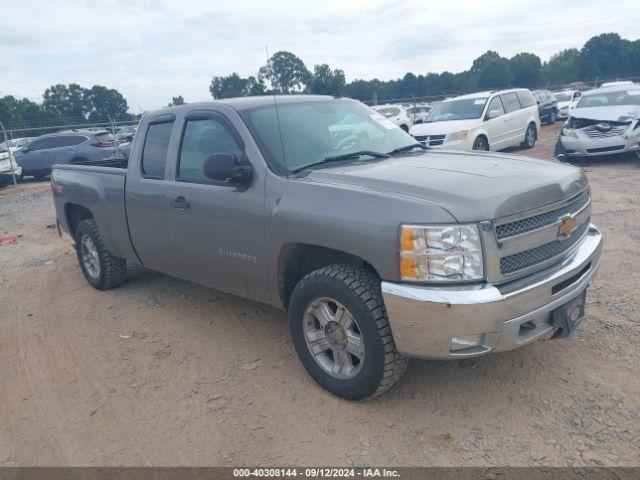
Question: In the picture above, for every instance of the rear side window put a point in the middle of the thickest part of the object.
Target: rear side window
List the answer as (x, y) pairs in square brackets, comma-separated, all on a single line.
[(526, 99), (510, 102), (203, 138), (154, 153)]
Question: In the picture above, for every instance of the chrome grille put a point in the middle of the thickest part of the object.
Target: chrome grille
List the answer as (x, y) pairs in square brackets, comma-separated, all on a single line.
[(431, 139), (537, 221), (533, 256), (594, 132)]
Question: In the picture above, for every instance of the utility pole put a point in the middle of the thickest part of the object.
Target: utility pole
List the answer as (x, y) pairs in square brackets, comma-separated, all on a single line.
[(6, 142)]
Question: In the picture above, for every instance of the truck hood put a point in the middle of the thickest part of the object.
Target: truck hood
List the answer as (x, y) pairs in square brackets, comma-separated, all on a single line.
[(443, 128), (470, 186), (617, 113)]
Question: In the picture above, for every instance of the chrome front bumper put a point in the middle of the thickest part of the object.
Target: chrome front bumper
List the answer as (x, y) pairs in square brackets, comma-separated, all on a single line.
[(424, 320), (585, 147)]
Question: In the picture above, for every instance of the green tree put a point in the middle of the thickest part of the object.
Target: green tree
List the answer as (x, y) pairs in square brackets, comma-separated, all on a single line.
[(175, 101), (526, 70), (285, 72), (562, 68), (490, 70), (604, 56), (235, 86), (106, 104), (324, 81), (67, 101)]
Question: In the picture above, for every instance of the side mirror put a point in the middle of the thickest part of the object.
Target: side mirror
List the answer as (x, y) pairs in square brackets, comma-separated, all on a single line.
[(226, 168), (493, 114)]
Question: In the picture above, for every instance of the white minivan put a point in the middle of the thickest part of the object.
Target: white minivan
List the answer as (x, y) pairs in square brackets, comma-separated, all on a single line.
[(482, 121)]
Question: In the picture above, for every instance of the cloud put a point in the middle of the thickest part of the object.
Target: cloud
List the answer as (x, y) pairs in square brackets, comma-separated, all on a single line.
[(152, 50)]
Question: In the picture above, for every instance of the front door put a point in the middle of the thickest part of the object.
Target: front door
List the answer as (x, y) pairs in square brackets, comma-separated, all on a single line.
[(497, 126), (216, 230)]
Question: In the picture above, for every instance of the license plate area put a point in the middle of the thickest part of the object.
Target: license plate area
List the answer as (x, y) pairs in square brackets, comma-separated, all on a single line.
[(567, 317)]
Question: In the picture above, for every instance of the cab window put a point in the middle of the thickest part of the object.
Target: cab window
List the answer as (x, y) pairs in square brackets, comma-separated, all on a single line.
[(201, 139), (510, 102), (154, 153)]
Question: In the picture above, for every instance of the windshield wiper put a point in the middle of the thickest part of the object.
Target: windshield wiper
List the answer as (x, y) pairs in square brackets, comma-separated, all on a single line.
[(344, 156), (408, 148)]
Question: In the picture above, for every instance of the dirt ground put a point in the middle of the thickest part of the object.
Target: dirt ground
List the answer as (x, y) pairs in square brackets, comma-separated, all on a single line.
[(165, 372)]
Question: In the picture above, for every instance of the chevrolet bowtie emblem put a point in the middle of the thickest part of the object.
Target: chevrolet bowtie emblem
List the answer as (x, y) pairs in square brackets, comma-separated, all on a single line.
[(567, 225)]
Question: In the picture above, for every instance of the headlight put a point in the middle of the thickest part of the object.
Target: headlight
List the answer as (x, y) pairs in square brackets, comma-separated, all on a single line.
[(461, 135), (440, 253), (568, 132)]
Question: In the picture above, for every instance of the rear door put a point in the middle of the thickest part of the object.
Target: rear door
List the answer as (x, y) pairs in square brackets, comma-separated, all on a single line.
[(216, 230), (515, 123), (63, 148), (145, 195)]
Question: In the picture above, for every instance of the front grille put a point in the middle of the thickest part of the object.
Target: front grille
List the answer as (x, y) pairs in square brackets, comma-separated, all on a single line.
[(605, 149), (534, 256), (544, 219), (594, 132), (431, 139)]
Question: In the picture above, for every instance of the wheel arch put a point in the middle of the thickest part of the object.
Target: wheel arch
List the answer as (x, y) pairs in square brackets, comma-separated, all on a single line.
[(296, 260), (74, 214)]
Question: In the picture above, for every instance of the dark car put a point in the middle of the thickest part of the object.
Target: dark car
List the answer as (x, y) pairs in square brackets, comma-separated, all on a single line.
[(37, 158), (547, 106)]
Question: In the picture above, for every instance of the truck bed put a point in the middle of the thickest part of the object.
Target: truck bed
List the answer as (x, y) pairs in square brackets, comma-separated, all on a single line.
[(99, 189)]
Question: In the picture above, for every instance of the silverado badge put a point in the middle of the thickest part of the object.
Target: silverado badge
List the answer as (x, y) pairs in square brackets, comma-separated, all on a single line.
[(567, 225)]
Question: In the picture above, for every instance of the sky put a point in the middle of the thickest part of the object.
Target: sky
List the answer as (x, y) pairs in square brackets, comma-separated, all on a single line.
[(152, 50)]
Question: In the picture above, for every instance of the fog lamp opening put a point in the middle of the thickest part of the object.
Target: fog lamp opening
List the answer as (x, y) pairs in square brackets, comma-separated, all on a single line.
[(465, 342)]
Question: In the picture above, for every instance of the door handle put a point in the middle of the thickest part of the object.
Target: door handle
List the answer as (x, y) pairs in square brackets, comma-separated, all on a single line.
[(180, 202)]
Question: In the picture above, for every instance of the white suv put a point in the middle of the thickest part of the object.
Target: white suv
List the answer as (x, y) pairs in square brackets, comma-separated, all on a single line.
[(482, 121), (397, 114)]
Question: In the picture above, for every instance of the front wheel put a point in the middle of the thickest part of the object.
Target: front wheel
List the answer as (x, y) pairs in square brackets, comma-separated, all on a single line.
[(341, 334), (530, 137), (100, 268), (481, 143)]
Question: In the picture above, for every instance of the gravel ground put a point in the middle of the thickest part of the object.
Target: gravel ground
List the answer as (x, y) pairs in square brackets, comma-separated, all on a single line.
[(165, 372)]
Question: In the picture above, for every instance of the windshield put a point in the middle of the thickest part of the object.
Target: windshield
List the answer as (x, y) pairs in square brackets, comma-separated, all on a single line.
[(465, 109), (608, 99), (310, 132), (562, 96)]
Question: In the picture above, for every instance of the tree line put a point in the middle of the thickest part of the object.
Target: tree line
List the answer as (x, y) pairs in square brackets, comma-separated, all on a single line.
[(602, 57)]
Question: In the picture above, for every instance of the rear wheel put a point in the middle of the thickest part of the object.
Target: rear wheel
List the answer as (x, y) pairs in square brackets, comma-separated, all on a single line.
[(530, 137), (100, 268), (481, 143), (341, 333)]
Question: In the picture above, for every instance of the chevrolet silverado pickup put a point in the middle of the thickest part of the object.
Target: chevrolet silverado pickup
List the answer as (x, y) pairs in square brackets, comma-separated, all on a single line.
[(379, 248)]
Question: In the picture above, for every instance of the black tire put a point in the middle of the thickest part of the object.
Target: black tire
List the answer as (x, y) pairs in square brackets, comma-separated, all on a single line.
[(112, 270), (481, 143), (358, 290), (530, 137), (553, 116)]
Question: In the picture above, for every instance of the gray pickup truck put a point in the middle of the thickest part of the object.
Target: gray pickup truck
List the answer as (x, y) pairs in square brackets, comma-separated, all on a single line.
[(379, 248)]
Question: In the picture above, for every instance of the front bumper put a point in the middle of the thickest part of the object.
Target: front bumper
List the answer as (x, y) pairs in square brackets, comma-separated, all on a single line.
[(424, 320), (586, 146)]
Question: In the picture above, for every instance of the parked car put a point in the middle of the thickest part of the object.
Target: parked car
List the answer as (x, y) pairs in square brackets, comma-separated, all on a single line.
[(126, 133), (605, 121), (418, 113), (8, 166), (397, 114), (566, 100), (37, 158), (547, 106), (482, 121), (618, 83), (379, 251)]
